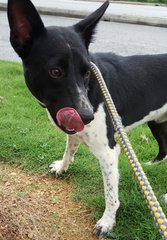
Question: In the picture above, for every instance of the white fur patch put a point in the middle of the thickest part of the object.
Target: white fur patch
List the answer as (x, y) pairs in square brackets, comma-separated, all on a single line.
[(165, 198), (156, 162), (158, 116), (95, 133), (51, 119), (43, 104)]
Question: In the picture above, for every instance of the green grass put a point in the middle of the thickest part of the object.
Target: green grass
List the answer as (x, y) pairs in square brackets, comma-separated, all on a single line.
[(28, 139)]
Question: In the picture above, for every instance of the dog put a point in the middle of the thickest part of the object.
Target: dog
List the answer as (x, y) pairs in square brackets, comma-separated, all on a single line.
[(56, 62)]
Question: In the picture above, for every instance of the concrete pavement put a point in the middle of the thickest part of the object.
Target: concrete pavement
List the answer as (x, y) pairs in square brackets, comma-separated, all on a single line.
[(147, 14)]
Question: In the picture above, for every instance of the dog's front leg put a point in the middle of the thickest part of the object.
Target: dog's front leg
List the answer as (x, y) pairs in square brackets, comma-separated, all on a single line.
[(108, 159), (60, 166)]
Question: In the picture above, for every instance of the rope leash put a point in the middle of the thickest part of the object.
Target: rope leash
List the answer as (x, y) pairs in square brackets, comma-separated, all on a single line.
[(141, 177)]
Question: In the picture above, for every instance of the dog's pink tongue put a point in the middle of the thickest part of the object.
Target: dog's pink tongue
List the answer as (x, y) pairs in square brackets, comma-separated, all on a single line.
[(70, 119)]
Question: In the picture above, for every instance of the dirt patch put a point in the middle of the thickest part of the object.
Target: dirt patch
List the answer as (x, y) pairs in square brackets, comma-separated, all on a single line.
[(35, 207)]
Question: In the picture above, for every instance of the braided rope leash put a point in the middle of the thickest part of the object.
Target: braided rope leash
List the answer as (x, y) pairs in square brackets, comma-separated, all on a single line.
[(144, 184)]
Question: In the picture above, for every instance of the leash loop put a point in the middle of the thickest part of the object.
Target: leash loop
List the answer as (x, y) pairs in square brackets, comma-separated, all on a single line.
[(141, 177)]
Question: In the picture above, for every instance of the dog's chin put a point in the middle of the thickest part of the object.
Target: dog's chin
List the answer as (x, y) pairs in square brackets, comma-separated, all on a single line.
[(68, 131)]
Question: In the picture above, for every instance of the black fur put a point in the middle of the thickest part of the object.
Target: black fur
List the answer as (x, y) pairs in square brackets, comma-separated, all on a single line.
[(137, 83), (56, 65)]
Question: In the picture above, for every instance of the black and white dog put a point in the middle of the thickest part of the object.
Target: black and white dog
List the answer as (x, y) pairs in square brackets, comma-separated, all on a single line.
[(57, 71)]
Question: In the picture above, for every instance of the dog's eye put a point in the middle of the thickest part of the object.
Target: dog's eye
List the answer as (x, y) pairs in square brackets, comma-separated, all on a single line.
[(87, 74), (55, 72)]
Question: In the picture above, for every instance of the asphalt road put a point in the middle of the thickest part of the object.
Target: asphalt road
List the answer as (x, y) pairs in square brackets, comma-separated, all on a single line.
[(115, 8), (123, 39)]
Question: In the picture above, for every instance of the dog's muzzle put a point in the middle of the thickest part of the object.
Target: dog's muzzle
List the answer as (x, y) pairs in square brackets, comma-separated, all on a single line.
[(69, 119)]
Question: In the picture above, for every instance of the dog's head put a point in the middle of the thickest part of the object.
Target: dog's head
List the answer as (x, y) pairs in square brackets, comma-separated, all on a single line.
[(56, 62)]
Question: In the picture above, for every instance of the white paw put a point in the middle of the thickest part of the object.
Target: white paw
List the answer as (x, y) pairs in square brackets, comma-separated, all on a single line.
[(165, 198), (58, 167), (156, 162), (104, 226), (149, 163), (153, 163)]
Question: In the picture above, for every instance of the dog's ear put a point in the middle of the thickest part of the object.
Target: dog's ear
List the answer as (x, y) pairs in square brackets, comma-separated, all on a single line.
[(87, 26), (25, 25)]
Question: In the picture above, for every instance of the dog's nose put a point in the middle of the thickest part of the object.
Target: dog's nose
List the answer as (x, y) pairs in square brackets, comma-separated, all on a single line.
[(86, 117)]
